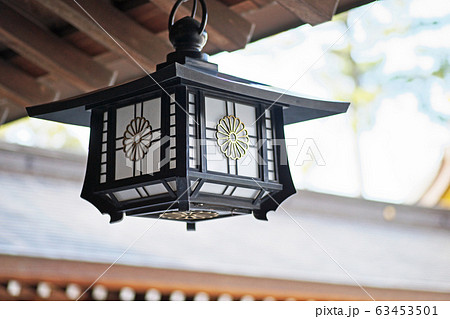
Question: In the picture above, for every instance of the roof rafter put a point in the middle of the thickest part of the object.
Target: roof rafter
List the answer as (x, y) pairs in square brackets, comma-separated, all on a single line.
[(22, 88), (50, 52), (311, 11), (145, 47), (10, 111), (227, 29)]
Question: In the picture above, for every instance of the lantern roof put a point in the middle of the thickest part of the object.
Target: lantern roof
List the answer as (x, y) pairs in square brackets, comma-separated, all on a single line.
[(194, 72)]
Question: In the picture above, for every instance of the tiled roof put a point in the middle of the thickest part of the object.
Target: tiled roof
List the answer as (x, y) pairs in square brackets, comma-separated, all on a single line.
[(42, 215)]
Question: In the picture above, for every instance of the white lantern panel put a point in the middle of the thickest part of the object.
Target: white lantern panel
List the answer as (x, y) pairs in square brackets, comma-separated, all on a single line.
[(213, 188), (123, 118), (230, 108), (104, 148), (229, 190), (138, 167), (151, 162), (172, 134), (211, 134), (247, 115), (128, 167), (246, 192), (193, 163), (232, 165), (248, 165), (192, 120), (156, 135), (152, 112), (191, 130), (124, 166), (215, 160), (173, 185), (270, 166), (194, 185), (156, 189), (272, 176), (269, 144), (194, 144), (128, 194), (214, 111)]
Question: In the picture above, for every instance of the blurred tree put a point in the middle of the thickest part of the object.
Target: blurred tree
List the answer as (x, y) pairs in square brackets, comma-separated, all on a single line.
[(45, 134)]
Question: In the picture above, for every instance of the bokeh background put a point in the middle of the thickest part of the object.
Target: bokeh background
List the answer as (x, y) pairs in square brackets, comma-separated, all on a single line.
[(363, 215)]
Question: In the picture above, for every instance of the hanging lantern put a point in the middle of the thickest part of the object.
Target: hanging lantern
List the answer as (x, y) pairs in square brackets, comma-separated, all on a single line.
[(187, 143)]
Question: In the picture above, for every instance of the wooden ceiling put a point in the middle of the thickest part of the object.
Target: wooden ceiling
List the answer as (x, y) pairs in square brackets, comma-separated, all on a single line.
[(54, 49)]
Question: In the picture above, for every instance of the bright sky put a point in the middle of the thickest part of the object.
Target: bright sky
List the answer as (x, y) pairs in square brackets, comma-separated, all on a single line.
[(400, 140), (400, 151)]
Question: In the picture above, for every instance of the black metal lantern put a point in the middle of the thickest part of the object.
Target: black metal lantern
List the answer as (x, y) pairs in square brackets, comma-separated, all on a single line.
[(187, 143)]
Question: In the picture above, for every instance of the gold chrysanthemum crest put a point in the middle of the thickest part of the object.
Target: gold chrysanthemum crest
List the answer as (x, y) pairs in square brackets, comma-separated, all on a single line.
[(137, 138), (232, 137)]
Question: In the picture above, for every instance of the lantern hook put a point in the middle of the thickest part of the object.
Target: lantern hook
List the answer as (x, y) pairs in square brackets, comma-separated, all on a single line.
[(194, 11), (187, 35)]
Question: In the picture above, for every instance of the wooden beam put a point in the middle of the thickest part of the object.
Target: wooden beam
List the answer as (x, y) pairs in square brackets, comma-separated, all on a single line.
[(311, 11), (227, 30), (10, 112), (29, 270), (57, 293), (345, 5), (21, 88), (4, 295), (53, 54), (145, 47)]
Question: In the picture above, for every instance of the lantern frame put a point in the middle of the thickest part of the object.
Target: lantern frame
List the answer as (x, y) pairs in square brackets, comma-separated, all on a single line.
[(186, 86), (179, 80)]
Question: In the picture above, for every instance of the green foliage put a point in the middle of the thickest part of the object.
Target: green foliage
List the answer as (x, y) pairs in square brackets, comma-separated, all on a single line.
[(443, 70)]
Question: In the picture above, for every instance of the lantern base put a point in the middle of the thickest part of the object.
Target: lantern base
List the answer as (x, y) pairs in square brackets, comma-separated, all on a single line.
[(192, 217)]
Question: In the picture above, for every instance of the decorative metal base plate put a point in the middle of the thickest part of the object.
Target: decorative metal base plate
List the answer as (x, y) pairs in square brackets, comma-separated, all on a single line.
[(189, 216)]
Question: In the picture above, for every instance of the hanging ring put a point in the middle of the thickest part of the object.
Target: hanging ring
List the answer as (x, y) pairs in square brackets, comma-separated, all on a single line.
[(194, 10)]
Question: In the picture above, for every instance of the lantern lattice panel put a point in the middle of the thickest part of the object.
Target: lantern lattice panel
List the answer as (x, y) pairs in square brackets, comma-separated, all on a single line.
[(126, 167), (215, 110)]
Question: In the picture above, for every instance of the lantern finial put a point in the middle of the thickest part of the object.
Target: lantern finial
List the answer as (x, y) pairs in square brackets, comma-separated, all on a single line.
[(187, 35)]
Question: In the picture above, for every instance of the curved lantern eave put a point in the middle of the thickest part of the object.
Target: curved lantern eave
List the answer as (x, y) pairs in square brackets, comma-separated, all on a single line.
[(296, 107)]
